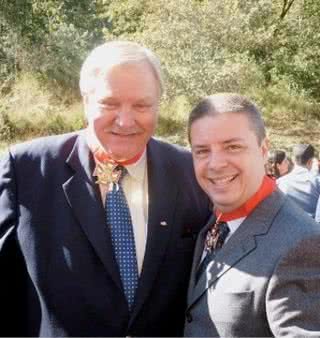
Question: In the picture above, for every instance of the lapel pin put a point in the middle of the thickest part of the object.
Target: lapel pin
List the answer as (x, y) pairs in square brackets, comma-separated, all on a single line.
[(163, 223)]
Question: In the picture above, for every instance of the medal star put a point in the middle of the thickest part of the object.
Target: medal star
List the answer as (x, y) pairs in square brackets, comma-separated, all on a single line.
[(107, 173)]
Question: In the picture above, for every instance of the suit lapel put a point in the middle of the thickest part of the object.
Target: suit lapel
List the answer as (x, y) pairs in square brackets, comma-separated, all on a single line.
[(84, 199), (198, 251), (240, 244), (162, 200)]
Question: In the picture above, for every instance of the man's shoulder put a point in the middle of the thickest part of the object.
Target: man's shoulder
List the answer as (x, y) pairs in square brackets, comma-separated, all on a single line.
[(46, 145), (286, 178), (174, 159), (156, 144), (295, 220)]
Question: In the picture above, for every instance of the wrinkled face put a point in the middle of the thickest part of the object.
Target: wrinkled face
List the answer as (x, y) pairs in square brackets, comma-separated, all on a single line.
[(283, 167), (228, 160), (123, 109)]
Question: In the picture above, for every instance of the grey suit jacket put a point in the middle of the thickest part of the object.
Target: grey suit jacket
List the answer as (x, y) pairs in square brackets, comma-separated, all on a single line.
[(265, 281)]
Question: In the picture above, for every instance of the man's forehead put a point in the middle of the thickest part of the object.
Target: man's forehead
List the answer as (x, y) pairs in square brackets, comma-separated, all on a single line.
[(217, 139), (221, 132)]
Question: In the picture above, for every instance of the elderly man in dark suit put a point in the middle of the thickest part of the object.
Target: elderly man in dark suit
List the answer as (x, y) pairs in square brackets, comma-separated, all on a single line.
[(98, 226), (256, 270)]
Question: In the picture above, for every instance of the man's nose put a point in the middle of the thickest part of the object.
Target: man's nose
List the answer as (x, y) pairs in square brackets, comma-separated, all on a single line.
[(125, 117), (217, 160)]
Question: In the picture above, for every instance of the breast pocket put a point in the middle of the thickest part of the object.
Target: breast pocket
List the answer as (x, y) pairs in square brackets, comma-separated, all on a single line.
[(230, 306)]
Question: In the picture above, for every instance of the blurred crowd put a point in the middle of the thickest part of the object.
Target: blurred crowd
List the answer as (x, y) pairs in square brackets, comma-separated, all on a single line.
[(298, 176)]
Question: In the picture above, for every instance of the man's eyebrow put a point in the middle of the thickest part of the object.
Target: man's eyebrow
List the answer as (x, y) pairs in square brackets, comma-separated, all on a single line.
[(199, 146), (234, 139), (231, 140)]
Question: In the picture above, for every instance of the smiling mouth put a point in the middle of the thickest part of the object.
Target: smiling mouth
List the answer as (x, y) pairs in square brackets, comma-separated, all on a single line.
[(123, 134), (222, 181)]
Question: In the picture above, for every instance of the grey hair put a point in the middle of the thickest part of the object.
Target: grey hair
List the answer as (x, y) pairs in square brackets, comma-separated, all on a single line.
[(114, 53), (229, 103)]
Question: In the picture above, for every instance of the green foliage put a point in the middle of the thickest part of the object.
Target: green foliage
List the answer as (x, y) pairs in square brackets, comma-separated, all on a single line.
[(173, 119), (49, 37), (266, 49), (212, 46), (33, 109), (7, 127), (125, 17)]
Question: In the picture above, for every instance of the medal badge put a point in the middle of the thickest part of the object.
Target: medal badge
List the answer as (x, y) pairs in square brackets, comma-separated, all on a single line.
[(212, 236), (107, 174), (211, 239)]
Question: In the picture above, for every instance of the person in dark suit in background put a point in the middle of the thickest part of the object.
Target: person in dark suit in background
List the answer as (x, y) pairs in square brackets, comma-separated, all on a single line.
[(98, 226), (256, 269)]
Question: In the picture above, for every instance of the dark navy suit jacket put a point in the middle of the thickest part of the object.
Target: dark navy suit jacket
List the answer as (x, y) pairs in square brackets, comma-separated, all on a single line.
[(58, 272)]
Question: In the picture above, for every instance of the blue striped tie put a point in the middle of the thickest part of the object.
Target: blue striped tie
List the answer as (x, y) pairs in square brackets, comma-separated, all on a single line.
[(120, 225)]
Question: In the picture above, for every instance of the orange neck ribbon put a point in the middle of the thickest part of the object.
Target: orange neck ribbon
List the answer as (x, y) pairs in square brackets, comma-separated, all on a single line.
[(267, 188)]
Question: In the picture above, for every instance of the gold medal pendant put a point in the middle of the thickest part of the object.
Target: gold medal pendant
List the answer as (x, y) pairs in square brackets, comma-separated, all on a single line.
[(107, 174)]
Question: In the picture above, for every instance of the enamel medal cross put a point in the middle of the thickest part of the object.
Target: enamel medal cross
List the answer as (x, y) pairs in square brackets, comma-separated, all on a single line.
[(107, 174)]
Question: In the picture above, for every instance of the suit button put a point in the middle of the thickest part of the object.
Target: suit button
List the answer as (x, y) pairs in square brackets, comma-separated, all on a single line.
[(188, 317)]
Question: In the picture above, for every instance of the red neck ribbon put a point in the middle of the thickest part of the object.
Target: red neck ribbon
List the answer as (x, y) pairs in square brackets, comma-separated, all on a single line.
[(267, 188), (101, 156)]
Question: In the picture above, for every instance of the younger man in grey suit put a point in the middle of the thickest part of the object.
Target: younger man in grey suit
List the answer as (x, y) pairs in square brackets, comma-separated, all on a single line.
[(256, 269)]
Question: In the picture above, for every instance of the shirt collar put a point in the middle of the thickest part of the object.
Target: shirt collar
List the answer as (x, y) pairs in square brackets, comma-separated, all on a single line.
[(137, 170), (234, 224), (299, 169)]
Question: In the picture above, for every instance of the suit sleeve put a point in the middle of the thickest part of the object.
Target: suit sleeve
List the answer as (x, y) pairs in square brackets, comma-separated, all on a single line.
[(293, 295), (12, 268), (317, 215), (7, 199)]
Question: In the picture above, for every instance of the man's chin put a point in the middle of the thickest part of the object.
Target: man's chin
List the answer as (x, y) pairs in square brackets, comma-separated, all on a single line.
[(123, 155), (224, 205)]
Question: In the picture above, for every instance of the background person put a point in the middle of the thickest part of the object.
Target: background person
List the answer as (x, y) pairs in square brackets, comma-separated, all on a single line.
[(278, 163), (301, 185), (79, 258), (256, 265)]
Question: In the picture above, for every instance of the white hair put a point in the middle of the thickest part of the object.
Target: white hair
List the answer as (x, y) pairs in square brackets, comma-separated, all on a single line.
[(116, 53)]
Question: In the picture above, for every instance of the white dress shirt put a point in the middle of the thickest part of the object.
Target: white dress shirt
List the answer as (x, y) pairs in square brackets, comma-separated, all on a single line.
[(233, 226)]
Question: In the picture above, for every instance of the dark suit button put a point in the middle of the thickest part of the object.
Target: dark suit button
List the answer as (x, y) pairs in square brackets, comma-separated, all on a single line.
[(188, 317)]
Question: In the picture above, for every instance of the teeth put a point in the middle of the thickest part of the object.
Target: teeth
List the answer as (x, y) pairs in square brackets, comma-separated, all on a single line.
[(223, 180)]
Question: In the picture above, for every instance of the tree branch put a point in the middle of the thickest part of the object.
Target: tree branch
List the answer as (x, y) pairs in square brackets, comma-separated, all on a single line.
[(285, 8)]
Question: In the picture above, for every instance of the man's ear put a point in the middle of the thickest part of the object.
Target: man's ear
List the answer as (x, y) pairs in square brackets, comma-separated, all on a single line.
[(309, 163), (265, 145), (85, 101)]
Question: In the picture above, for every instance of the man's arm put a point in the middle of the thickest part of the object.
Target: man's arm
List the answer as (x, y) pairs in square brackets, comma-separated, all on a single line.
[(293, 294), (12, 266), (317, 214), (7, 200)]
